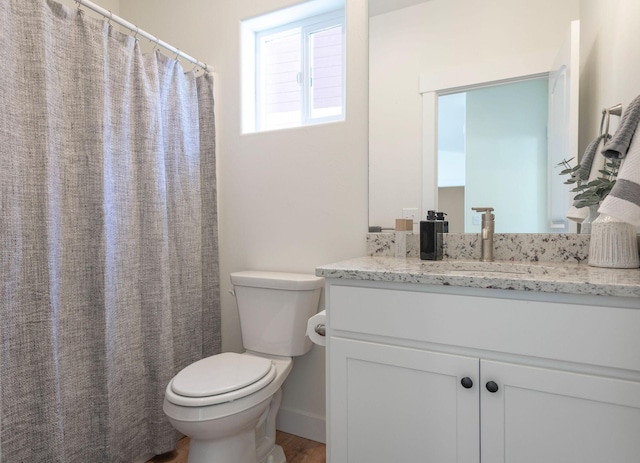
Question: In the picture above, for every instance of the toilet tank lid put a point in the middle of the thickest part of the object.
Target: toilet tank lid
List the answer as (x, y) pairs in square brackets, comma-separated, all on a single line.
[(277, 280)]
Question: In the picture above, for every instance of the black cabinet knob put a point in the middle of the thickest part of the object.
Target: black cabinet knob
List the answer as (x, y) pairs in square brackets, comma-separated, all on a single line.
[(492, 387), (466, 382)]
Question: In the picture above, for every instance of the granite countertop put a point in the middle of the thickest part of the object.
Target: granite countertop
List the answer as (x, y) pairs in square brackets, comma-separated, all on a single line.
[(546, 277)]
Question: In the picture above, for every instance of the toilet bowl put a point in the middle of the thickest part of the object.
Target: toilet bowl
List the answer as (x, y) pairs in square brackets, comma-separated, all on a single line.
[(223, 424), (227, 403)]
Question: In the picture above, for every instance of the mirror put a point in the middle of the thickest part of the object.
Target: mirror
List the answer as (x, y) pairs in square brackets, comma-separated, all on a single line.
[(491, 151), (456, 43)]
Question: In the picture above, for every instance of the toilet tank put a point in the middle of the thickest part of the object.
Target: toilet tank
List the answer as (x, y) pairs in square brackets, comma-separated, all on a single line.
[(274, 309)]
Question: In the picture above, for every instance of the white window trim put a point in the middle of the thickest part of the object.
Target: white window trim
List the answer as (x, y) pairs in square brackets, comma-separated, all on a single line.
[(250, 69)]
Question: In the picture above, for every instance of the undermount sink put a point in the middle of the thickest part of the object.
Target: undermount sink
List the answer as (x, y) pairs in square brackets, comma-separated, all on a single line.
[(518, 268)]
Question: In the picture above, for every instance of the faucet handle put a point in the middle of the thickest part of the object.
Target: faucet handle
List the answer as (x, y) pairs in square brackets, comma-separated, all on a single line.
[(482, 209), (487, 215)]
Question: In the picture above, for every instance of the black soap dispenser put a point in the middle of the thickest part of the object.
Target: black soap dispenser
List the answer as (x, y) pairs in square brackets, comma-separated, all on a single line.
[(431, 237), (445, 222)]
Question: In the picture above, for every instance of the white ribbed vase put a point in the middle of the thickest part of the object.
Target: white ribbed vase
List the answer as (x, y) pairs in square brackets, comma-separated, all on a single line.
[(613, 244)]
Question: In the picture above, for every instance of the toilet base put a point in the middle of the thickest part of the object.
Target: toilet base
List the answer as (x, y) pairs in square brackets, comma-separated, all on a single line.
[(239, 448), (275, 456)]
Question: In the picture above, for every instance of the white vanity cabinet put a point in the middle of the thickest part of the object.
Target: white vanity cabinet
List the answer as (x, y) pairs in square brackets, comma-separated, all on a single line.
[(422, 373), (548, 415), (397, 404)]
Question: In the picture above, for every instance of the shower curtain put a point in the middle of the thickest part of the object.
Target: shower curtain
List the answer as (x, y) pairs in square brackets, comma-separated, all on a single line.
[(108, 236)]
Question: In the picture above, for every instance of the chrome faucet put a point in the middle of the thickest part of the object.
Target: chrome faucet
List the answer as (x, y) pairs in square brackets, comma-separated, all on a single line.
[(486, 234)]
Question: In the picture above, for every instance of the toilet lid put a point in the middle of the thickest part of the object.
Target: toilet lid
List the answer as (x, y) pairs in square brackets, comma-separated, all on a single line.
[(220, 374)]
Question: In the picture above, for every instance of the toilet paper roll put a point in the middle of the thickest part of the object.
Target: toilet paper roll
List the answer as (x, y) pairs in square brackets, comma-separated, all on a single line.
[(313, 326)]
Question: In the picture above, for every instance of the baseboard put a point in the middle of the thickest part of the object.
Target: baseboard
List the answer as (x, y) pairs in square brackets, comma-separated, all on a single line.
[(303, 424)]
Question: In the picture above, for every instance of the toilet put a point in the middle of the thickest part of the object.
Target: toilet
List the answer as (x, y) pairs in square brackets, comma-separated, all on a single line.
[(227, 403)]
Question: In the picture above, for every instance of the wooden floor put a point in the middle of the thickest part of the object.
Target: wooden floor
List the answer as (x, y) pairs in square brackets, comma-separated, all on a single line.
[(296, 450)]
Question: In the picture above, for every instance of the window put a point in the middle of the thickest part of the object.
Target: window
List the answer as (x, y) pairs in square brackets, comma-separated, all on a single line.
[(296, 73)]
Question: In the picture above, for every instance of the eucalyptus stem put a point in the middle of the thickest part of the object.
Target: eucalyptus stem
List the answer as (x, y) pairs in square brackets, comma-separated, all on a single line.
[(593, 192)]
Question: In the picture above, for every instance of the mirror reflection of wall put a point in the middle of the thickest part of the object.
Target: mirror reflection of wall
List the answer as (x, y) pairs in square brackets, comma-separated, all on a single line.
[(492, 151)]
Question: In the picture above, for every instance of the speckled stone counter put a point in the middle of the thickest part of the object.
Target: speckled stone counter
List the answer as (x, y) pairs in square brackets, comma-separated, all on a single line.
[(547, 277)]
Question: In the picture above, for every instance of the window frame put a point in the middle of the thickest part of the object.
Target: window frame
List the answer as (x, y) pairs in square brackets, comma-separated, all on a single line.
[(307, 26)]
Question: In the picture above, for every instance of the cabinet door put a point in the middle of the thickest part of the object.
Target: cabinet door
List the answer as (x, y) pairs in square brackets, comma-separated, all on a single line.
[(542, 415), (390, 403)]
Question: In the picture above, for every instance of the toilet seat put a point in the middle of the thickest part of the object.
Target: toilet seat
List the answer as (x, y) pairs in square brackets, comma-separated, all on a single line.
[(220, 378)]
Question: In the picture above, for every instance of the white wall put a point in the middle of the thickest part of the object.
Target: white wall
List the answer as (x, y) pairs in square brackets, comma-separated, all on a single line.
[(288, 200), (506, 149), (429, 38), (609, 60)]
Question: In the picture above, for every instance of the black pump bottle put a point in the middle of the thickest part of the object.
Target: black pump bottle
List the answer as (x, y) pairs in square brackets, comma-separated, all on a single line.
[(431, 237)]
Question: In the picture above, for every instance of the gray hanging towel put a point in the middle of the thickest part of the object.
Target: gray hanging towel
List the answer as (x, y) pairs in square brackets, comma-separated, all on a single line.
[(586, 162), (619, 144), (588, 170), (623, 202)]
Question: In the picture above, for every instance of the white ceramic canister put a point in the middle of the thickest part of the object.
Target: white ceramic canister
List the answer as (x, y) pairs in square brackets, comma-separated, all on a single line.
[(614, 244)]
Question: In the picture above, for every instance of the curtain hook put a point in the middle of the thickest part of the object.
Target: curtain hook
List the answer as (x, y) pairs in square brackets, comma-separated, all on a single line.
[(110, 18), (177, 54), (155, 47), (135, 36)]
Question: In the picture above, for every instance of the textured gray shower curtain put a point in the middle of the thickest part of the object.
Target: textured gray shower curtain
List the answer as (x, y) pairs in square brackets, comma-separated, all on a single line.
[(108, 236)]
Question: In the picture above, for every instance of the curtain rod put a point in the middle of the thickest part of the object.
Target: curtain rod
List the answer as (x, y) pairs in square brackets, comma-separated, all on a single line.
[(116, 19)]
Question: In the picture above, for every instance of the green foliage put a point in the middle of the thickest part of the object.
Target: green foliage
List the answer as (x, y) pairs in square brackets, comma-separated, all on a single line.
[(593, 192)]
